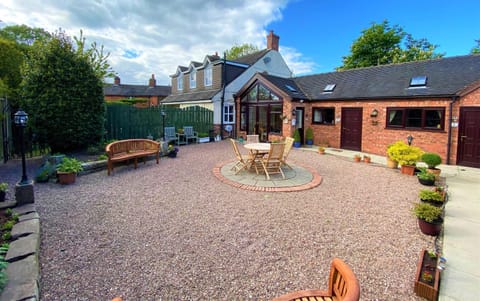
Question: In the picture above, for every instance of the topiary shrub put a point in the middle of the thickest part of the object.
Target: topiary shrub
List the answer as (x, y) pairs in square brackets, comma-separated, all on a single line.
[(431, 159)]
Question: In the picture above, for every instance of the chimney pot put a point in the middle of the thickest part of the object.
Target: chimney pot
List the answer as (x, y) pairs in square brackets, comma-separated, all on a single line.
[(272, 41)]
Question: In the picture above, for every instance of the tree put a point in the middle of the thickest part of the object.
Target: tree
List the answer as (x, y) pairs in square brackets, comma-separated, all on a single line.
[(240, 50), (381, 44), (476, 49), (63, 96), (95, 56), (22, 34), (11, 59)]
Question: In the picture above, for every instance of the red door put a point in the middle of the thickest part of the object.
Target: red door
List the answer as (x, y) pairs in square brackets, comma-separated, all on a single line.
[(469, 137), (351, 134)]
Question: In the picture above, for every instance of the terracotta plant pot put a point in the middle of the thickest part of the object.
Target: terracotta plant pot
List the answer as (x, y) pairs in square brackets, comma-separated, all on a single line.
[(66, 178), (408, 169), (391, 163), (436, 172), (367, 159), (357, 158)]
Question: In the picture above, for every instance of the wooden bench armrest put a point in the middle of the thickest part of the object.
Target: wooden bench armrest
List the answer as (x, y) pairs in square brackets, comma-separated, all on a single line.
[(298, 295)]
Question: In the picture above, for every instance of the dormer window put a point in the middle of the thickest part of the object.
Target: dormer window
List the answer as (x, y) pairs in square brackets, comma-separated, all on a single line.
[(193, 79), (208, 75), (418, 81), (180, 82), (329, 88)]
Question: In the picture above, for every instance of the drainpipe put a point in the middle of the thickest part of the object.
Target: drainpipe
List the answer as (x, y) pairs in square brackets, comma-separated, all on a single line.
[(449, 143), (224, 73)]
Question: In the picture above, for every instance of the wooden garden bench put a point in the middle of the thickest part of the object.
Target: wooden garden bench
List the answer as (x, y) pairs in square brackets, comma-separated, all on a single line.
[(342, 286), (131, 149)]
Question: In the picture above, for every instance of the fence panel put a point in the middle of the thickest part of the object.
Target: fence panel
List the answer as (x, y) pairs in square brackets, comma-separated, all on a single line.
[(127, 122)]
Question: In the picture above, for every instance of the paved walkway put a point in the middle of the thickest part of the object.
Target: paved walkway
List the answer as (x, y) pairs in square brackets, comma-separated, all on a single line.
[(461, 230)]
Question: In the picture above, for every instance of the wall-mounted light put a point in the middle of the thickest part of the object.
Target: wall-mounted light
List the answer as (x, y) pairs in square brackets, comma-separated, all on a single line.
[(294, 112), (409, 139), (374, 113)]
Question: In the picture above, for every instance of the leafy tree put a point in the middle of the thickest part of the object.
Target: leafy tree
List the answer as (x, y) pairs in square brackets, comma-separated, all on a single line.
[(240, 50), (11, 59), (63, 96), (95, 56), (22, 34), (381, 44), (476, 49)]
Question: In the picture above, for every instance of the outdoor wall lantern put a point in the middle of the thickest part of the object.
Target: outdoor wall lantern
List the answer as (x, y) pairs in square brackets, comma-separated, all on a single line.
[(20, 120), (374, 113), (162, 112), (294, 112), (409, 139)]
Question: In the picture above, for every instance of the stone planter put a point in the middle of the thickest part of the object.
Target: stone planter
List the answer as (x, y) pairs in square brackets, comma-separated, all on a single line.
[(203, 139)]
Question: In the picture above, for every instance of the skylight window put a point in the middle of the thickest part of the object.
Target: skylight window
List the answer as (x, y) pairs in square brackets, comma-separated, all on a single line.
[(418, 81), (329, 88), (292, 89)]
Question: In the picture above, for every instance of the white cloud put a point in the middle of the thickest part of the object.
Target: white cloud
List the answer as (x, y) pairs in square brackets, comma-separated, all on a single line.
[(154, 37)]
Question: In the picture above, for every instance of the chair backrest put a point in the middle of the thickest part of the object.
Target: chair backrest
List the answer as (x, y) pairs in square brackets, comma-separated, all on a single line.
[(169, 132), (288, 147), (188, 131), (236, 151), (276, 152), (342, 282), (253, 139)]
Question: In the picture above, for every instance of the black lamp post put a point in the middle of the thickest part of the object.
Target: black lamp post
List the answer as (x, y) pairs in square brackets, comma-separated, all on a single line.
[(409, 139), (163, 124), (20, 120)]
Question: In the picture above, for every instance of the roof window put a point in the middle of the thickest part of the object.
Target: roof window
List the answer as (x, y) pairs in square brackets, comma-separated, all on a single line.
[(292, 89), (418, 81), (329, 88)]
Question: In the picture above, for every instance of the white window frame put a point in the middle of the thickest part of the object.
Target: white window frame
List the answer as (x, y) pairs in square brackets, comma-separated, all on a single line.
[(180, 82), (193, 79), (230, 112), (207, 76)]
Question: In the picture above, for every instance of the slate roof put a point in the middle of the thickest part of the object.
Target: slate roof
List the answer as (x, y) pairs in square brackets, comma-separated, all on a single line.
[(287, 85), (252, 58), (136, 90), (187, 97), (445, 77)]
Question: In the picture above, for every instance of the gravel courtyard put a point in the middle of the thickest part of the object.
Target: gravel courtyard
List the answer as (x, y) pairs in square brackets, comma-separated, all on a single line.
[(173, 231)]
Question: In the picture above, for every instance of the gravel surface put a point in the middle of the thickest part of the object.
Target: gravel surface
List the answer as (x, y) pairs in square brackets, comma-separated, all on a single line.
[(173, 231)]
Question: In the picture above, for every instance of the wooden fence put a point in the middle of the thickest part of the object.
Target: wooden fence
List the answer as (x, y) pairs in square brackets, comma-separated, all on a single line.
[(127, 122)]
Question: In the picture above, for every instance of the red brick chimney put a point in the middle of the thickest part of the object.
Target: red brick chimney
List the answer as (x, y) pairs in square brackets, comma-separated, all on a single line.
[(116, 81), (272, 41), (152, 82)]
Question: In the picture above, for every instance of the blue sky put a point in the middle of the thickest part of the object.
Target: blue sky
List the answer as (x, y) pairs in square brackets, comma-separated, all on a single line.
[(146, 37)]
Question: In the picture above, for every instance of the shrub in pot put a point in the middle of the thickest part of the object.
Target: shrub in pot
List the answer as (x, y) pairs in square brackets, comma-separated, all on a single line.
[(425, 177), (68, 169), (406, 155), (432, 160), (309, 136), (296, 138), (429, 218), (432, 197)]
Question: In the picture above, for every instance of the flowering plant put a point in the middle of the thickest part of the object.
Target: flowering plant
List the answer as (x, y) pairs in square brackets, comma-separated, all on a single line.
[(172, 150)]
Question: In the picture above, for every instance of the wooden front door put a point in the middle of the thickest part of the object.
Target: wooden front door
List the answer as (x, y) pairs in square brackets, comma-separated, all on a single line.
[(351, 133), (469, 137)]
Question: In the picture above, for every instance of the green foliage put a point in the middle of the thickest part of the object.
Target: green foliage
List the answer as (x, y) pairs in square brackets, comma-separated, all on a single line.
[(296, 135), (133, 100), (24, 35), (431, 159), (425, 175), (430, 196), (309, 133), (476, 49), (240, 50), (381, 44), (427, 212), (11, 59), (8, 212), (3, 186), (102, 157), (63, 96), (6, 236), (3, 266), (403, 153), (70, 165), (8, 225)]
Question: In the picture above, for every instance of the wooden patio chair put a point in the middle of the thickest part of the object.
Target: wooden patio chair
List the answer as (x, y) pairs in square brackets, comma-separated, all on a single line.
[(272, 162), (288, 147), (170, 135), (253, 139), (342, 286), (190, 134), (242, 160)]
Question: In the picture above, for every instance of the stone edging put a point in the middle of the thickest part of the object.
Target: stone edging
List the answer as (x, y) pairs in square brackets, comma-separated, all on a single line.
[(23, 271)]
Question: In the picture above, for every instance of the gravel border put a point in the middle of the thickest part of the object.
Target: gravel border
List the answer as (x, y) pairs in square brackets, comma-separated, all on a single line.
[(174, 231)]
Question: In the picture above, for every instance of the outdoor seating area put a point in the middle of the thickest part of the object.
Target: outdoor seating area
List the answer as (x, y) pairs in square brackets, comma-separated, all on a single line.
[(183, 136), (131, 149)]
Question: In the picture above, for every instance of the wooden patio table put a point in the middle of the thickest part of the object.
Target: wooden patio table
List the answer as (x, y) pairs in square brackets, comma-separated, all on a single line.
[(256, 152)]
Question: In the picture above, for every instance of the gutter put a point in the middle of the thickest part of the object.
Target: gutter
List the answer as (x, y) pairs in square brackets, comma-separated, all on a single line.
[(224, 79), (449, 143)]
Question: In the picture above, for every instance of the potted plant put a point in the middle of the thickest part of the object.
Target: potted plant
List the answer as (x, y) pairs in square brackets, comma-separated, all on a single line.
[(296, 138), (366, 159), (429, 218), (3, 191), (67, 170), (172, 151), (391, 163), (432, 160), (406, 155), (432, 197), (203, 137), (357, 158), (427, 278), (425, 177), (309, 136), (321, 150)]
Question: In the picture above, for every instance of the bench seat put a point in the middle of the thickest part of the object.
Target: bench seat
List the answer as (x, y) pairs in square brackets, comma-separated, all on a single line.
[(125, 150)]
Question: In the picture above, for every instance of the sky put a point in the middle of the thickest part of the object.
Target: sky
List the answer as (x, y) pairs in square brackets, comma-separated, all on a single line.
[(146, 37)]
